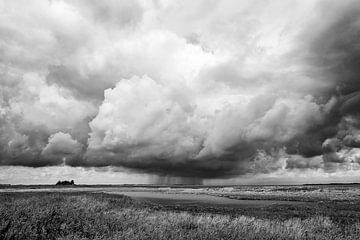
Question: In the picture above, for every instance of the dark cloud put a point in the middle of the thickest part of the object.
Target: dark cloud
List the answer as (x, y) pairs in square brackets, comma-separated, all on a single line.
[(352, 141), (235, 162), (88, 87), (310, 143), (298, 162), (334, 54)]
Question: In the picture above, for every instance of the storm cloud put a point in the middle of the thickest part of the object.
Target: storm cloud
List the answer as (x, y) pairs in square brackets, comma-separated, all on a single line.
[(196, 90)]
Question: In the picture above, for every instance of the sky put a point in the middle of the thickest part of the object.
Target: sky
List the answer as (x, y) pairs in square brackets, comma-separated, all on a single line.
[(205, 91)]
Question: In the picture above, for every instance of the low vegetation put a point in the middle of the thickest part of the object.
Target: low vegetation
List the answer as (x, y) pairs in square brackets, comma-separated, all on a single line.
[(102, 216)]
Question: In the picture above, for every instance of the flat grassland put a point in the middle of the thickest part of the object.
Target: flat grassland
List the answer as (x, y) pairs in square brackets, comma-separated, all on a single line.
[(320, 212)]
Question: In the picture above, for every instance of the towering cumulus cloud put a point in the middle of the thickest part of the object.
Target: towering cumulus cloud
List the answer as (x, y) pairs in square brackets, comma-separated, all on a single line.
[(197, 89)]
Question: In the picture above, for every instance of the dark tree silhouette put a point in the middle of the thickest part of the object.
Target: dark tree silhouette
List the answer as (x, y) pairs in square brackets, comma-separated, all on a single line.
[(65, 182)]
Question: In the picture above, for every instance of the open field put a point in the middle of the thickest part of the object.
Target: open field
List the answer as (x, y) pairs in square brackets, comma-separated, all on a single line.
[(80, 212)]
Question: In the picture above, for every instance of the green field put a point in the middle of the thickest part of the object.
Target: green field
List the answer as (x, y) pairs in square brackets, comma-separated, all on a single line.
[(80, 214)]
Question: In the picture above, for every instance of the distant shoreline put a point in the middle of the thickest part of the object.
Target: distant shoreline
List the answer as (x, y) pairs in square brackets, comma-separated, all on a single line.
[(165, 185)]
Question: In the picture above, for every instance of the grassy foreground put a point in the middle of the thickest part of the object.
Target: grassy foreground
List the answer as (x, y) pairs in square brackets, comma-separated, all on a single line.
[(101, 216)]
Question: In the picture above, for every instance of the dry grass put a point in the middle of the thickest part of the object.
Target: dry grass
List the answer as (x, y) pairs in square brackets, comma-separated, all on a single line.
[(293, 193), (100, 216)]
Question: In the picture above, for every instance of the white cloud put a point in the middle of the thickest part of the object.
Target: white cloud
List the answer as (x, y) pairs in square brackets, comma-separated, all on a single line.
[(50, 106), (145, 119), (62, 147)]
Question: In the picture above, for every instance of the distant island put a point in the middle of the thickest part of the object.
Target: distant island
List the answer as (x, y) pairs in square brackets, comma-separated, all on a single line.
[(65, 182)]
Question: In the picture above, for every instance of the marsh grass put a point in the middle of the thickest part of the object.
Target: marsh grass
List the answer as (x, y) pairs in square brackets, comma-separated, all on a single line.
[(101, 216)]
